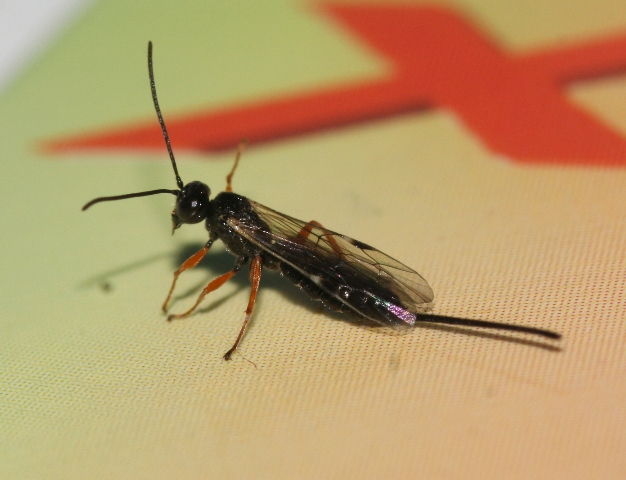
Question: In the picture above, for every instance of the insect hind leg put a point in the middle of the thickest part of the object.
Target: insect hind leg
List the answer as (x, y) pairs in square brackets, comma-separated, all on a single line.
[(255, 278), (308, 230)]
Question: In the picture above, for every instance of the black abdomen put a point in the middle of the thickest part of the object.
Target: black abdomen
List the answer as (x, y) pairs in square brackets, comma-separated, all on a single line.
[(356, 304), (315, 292)]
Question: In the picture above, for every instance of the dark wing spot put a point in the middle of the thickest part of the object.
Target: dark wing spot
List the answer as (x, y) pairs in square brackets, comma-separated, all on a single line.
[(358, 244)]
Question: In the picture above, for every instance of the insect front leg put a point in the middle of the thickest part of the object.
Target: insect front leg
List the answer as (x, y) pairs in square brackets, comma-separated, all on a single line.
[(212, 286), (308, 230), (255, 278), (189, 263)]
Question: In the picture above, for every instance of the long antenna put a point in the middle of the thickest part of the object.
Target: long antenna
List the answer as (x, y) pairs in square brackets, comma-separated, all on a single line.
[(179, 182), (128, 195)]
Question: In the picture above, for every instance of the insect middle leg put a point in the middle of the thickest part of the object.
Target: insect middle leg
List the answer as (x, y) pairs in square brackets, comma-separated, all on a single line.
[(212, 286), (308, 229), (255, 278), (189, 263), (229, 177)]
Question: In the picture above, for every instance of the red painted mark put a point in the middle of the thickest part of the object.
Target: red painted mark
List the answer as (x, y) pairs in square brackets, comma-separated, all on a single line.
[(514, 102)]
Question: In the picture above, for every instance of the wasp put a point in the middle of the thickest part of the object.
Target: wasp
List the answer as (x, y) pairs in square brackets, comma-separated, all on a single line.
[(346, 275)]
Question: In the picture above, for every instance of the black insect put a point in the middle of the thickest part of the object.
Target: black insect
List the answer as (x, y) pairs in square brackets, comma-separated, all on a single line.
[(344, 274)]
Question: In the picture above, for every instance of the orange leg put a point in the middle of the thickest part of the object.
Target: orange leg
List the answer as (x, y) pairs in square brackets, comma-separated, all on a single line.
[(229, 177), (189, 263), (213, 285), (308, 229), (255, 278)]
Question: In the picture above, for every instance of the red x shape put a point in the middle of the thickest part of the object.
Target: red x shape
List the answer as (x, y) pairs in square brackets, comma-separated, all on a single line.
[(514, 102)]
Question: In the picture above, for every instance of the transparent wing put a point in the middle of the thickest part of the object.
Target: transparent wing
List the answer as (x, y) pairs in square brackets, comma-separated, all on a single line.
[(323, 254)]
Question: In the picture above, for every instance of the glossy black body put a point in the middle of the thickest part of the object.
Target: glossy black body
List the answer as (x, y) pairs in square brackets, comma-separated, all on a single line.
[(228, 205)]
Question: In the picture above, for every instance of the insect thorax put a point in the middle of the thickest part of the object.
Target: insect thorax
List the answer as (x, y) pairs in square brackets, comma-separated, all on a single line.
[(226, 206)]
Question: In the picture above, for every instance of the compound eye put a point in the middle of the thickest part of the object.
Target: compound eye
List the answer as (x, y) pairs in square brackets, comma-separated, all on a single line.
[(192, 203)]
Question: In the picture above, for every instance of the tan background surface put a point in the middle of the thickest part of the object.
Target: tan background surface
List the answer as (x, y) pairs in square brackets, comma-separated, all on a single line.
[(95, 384)]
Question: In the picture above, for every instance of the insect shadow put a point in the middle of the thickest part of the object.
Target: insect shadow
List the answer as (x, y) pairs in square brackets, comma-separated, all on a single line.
[(104, 280), (220, 261)]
